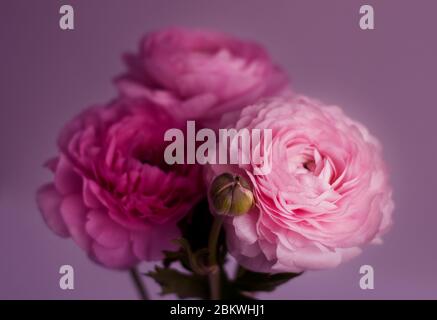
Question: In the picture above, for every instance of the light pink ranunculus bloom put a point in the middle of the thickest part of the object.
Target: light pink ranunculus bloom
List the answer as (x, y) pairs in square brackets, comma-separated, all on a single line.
[(199, 74), (327, 193), (112, 192)]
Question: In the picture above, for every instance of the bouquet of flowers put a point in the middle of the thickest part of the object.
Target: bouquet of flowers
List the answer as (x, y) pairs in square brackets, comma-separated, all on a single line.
[(289, 185)]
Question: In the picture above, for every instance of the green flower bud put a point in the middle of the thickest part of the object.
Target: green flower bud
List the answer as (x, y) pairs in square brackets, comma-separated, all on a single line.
[(231, 195)]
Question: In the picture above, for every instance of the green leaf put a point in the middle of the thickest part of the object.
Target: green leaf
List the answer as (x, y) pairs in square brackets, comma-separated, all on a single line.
[(229, 291), (247, 280), (191, 261), (182, 284), (174, 256)]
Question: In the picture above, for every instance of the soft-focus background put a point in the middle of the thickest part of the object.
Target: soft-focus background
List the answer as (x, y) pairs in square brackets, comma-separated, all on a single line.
[(386, 78)]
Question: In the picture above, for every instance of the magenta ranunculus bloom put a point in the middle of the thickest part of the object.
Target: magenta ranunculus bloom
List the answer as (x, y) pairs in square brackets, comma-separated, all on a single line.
[(200, 74), (327, 193), (112, 191)]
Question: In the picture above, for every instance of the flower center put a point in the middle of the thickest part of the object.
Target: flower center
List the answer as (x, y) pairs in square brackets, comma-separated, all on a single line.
[(310, 165)]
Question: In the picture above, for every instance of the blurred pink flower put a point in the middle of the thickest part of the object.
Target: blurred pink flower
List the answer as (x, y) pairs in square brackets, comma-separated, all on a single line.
[(327, 193), (198, 74), (112, 192)]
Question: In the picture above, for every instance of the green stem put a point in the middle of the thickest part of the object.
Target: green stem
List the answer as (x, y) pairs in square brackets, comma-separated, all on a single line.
[(214, 273), (139, 285)]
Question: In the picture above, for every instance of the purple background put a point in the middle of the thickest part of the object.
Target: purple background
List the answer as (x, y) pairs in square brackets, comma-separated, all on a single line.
[(386, 78)]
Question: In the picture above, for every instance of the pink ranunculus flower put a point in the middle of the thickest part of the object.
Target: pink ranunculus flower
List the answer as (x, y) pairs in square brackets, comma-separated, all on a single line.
[(112, 192), (327, 193), (199, 74)]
